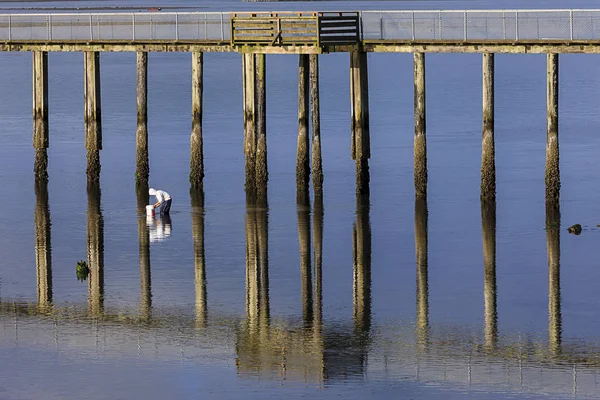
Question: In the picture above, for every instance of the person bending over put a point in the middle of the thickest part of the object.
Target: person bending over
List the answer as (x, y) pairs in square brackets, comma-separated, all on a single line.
[(163, 200)]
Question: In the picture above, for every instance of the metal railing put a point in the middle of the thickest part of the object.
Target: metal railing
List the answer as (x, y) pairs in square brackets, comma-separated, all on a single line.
[(152, 26), (513, 25), (510, 25)]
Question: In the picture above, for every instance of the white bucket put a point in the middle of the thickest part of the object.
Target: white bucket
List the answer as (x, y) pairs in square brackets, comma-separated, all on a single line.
[(150, 210)]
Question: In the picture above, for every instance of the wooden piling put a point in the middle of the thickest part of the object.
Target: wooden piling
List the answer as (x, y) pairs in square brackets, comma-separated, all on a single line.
[(554, 305), (40, 114), (488, 158), (95, 250), (552, 174), (43, 246), (302, 158), (359, 93), (488, 228), (142, 168), (303, 211), (262, 174), (196, 140), (249, 94), (197, 197), (144, 252), (420, 143), (421, 255), (317, 165), (361, 257), (92, 116)]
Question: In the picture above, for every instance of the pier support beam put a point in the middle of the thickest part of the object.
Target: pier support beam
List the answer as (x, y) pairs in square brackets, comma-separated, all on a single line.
[(420, 144), (249, 92), (40, 114), (359, 93), (196, 143), (317, 165), (262, 171), (142, 169), (488, 158), (92, 117), (302, 157), (552, 157)]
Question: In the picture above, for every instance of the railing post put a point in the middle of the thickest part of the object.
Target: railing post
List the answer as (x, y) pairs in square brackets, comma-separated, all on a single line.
[(440, 23), (571, 23), (413, 26), (91, 29), (465, 24), (504, 24), (318, 30), (49, 26), (205, 26), (133, 25), (176, 27), (516, 25), (9, 27), (360, 35), (222, 28), (381, 26)]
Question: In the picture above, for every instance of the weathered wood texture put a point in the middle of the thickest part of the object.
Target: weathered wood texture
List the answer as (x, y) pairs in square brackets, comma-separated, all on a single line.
[(196, 139), (262, 171), (142, 167), (420, 140), (249, 93), (359, 97), (552, 175), (41, 138), (315, 110), (488, 158), (92, 115), (302, 155)]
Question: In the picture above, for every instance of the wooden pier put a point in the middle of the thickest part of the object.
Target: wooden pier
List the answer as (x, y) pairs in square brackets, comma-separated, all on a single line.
[(309, 35)]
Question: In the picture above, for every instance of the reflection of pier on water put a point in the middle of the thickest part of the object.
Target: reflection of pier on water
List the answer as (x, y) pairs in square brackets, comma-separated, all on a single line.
[(312, 350)]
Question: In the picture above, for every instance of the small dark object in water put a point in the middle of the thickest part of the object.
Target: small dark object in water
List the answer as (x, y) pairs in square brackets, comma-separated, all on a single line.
[(576, 229), (82, 270)]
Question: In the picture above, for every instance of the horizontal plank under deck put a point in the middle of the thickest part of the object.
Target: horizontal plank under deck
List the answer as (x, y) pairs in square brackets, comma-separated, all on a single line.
[(377, 46)]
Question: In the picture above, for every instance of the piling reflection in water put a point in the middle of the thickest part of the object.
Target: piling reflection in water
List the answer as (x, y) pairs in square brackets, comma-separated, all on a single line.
[(421, 242), (144, 250), (318, 263), (197, 198), (554, 309), (303, 210), (95, 250), (361, 258), (488, 227), (43, 246)]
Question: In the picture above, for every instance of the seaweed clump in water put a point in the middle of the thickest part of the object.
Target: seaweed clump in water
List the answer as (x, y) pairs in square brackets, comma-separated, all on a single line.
[(82, 270)]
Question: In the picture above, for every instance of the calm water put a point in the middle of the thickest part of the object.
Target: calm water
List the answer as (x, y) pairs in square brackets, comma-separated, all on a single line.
[(391, 299)]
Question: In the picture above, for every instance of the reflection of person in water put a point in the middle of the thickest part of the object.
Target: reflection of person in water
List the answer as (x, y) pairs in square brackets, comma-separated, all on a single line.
[(159, 228)]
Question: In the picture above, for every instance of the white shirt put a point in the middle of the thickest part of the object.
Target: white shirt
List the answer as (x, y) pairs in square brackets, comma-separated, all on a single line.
[(161, 195)]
